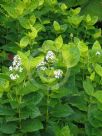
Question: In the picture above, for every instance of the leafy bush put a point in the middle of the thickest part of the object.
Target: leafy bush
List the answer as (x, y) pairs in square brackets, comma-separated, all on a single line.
[(51, 70)]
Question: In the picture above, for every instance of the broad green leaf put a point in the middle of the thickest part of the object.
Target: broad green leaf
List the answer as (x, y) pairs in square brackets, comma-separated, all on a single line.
[(71, 56), (63, 6), (31, 125), (4, 85), (98, 33), (59, 42), (98, 95), (25, 60), (33, 99), (8, 128), (96, 46), (35, 61), (24, 42), (33, 34), (88, 87), (30, 112), (93, 116), (76, 11), (65, 131), (57, 26), (75, 20), (24, 22), (98, 69), (27, 88), (48, 45), (6, 111), (62, 111), (91, 20)]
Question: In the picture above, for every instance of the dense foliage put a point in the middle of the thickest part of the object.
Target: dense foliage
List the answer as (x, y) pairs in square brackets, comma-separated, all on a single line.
[(51, 70)]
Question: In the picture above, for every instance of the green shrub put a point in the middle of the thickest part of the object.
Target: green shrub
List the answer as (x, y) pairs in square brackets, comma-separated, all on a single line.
[(51, 70)]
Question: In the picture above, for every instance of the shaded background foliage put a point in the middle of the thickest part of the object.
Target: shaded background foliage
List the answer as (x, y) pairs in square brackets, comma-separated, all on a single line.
[(74, 109)]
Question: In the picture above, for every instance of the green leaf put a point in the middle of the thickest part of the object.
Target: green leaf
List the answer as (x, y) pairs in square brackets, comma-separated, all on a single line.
[(33, 34), (96, 46), (62, 111), (29, 112), (31, 125), (59, 42), (24, 42), (91, 20), (4, 85), (65, 131), (35, 61), (8, 128), (97, 33), (75, 20), (6, 111), (71, 56), (56, 26), (88, 87), (76, 11), (98, 95), (33, 99), (25, 60), (27, 88), (98, 69), (48, 45)]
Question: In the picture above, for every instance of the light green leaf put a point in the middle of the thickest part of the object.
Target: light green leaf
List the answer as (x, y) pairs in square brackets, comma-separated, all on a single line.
[(59, 42), (96, 46), (98, 95), (25, 60), (48, 45), (24, 42), (98, 33), (65, 131), (35, 61), (71, 56), (4, 85), (56, 26), (88, 87), (76, 11), (98, 69), (33, 34)]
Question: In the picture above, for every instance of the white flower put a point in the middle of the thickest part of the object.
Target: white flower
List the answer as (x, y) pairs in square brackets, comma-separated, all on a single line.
[(50, 56), (98, 53), (14, 77), (58, 73), (43, 68), (16, 58), (16, 68), (10, 68), (42, 63)]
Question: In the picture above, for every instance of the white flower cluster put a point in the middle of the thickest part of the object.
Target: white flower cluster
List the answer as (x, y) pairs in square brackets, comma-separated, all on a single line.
[(41, 66), (58, 73), (50, 56), (98, 53), (16, 67)]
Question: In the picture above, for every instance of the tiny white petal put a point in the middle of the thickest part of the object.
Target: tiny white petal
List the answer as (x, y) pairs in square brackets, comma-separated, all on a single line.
[(58, 73), (12, 77), (98, 53), (50, 55), (10, 68)]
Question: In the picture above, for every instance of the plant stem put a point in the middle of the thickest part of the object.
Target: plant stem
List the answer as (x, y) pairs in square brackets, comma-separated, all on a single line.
[(47, 108), (19, 113)]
